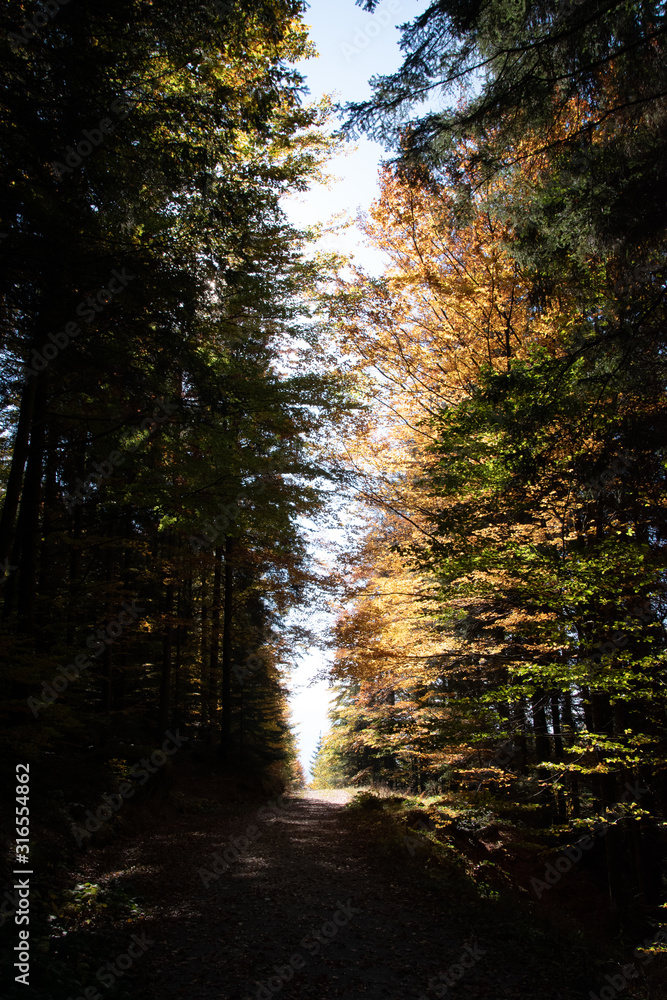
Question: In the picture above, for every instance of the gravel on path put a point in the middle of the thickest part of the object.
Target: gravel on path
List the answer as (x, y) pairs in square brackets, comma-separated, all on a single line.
[(292, 901)]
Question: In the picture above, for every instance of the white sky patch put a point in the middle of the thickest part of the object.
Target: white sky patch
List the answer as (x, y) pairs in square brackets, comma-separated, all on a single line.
[(353, 45), (309, 705)]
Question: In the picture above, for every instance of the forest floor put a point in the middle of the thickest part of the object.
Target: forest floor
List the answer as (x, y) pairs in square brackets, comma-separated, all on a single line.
[(306, 903)]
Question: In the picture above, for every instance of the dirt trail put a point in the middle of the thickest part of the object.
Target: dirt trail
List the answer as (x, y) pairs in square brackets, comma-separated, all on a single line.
[(306, 909)]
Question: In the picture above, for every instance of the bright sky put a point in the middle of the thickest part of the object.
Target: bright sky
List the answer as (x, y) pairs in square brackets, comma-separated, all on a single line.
[(352, 46)]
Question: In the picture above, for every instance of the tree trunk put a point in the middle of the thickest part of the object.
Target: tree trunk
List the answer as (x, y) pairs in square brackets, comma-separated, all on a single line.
[(16, 469), (225, 730), (30, 512), (556, 720), (215, 639), (520, 737), (109, 651), (48, 581), (568, 723), (165, 676), (77, 452), (205, 705), (540, 730)]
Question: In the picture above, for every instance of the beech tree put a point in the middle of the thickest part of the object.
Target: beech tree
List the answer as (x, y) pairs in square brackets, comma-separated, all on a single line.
[(516, 342)]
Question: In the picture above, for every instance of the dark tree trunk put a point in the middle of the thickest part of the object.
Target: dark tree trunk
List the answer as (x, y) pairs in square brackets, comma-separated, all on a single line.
[(205, 705), (225, 730), (215, 638), (556, 721), (542, 741), (165, 676), (568, 723), (77, 451), (520, 728), (48, 581), (30, 513), (109, 650), (17, 467)]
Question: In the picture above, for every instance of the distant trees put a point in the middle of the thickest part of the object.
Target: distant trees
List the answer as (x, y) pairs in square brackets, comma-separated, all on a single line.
[(163, 400), (515, 349)]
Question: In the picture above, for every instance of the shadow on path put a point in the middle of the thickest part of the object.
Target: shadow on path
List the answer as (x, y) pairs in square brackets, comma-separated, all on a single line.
[(306, 909)]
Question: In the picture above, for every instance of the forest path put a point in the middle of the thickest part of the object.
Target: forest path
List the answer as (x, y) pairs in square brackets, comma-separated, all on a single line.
[(304, 873)]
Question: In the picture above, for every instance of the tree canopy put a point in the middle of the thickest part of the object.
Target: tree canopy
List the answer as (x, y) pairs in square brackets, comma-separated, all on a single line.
[(507, 599)]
